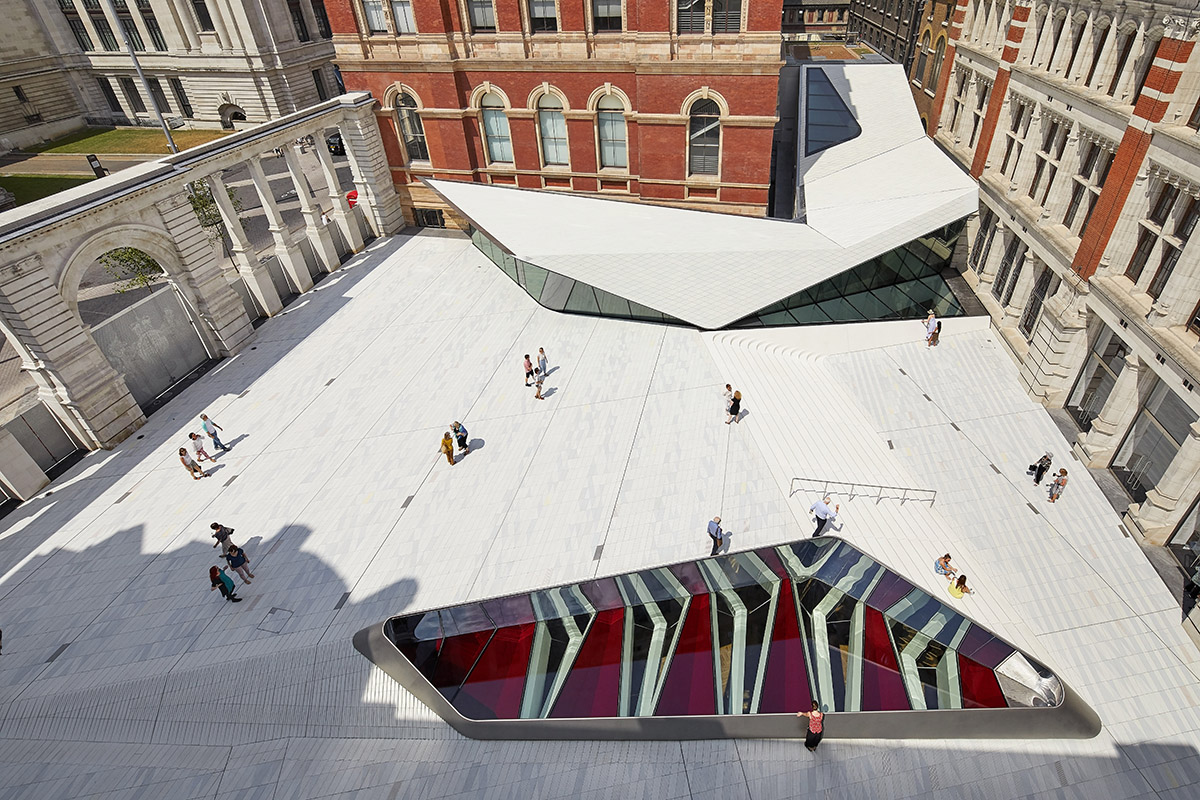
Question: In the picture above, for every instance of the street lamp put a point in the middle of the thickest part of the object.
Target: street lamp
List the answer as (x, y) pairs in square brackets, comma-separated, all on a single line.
[(112, 12)]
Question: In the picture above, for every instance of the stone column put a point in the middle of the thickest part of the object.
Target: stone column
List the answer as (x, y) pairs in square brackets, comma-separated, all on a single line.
[(991, 264), (1096, 446), (1064, 183), (214, 306), (21, 475), (257, 277), (1030, 267), (1082, 62), (182, 14), (289, 256), (1129, 72), (1160, 512), (1058, 345), (342, 214), (74, 378), (372, 174), (1107, 63), (317, 232)]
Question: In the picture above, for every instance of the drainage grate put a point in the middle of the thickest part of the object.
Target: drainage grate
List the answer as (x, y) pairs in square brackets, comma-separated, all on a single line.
[(902, 372), (890, 445), (407, 500), (58, 652), (231, 480), (275, 619), (243, 394), (927, 397), (331, 380), (952, 425), (1062, 773), (599, 550), (342, 602), (1033, 508), (994, 468), (122, 497)]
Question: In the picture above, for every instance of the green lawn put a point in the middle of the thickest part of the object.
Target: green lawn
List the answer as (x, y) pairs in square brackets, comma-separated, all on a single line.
[(109, 141), (28, 188)]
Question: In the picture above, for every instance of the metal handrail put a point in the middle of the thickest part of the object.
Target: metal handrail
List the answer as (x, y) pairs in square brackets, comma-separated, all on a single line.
[(906, 493)]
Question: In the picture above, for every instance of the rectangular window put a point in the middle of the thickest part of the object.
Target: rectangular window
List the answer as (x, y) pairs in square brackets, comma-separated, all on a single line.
[(541, 16), (298, 22), (319, 82), (1194, 120), (110, 97), (158, 96), (156, 34), (1076, 200), (483, 17), (726, 16), (606, 16), (131, 33), (499, 142), (612, 139), (1170, 258), (689, 16), (81, 34), (1164, 204), (202, 15), (554, 137), (402, 13), (373, 11), (181, 98), (1141, 254), (20, 93), (323, 29), (107, 40), (129, 89)]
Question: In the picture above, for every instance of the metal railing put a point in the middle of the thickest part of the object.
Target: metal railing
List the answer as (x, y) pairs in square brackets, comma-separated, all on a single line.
[(878, 491)]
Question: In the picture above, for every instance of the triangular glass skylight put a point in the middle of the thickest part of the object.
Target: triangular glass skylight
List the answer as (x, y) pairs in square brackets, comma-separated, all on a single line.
[(827, 119)]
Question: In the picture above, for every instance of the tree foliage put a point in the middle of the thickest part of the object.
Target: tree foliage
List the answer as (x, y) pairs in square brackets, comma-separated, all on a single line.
[(200, 196), (134, 268)]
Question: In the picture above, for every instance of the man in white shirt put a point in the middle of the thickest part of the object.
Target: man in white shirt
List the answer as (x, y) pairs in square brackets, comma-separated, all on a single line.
[(715, 533), (824, 514), (930, 327)]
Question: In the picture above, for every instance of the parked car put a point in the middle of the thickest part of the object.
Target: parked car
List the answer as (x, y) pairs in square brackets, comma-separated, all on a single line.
[(336, 145)]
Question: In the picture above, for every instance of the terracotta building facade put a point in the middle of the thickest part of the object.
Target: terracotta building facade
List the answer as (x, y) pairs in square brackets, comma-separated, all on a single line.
[(639, 99), (930, 49)]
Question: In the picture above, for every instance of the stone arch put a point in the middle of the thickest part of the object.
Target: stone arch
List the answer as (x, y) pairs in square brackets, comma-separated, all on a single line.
[(394, 91), (231, 113), (544, 89), (704, 93), (484, 88), (608, 90)]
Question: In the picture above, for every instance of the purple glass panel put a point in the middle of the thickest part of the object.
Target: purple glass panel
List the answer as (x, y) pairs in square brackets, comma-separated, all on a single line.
[(508, 611), (468, 618), (603, 594), (785, 684), (888, 591), (980, 688), (591, 690), (773, 562), (689, 575), (883, 688), (690, 686), (455, 659), (493, 689), (979, 645)]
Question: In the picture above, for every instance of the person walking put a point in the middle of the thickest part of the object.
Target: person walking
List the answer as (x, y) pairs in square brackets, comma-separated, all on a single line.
[(716, 534), (1040, 466), (943, 567), (543, 362), (937, 333), (190, 465), (211, 429), (238, 562), (735, 408), (824, 514), (728, 395), (221, 581), (959, 587), (528, 369), (1060, 483), (222, 534), (460, 435), (930, 327), (447, 447), (539, 378), (198, 447), (816, 727)]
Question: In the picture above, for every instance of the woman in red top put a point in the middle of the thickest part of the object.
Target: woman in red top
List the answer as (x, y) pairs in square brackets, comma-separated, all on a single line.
[(816, 726)]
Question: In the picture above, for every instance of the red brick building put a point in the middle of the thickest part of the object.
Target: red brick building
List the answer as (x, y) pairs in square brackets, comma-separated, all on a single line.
[(641, 99)]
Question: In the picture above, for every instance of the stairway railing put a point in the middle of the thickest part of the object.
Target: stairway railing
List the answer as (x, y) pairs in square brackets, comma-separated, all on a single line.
[(852, 490)]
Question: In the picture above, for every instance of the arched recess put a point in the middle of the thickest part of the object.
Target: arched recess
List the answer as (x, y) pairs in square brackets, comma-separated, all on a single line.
[(484, 88), (395, 90), (544, 89), (156, 243), (704, 93), (608, 90), (231, 113)]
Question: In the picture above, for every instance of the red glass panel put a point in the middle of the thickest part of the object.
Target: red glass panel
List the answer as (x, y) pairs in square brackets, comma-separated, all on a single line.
[(591, 690), (883, 688), (458, 654), (980, 688), (493, 689), (690, 687), (785, 685)]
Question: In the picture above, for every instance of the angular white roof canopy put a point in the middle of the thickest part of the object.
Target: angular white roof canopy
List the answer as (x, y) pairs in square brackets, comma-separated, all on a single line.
[(881, 189)]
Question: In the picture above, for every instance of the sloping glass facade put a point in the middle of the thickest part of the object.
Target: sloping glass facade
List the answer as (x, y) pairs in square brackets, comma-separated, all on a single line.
[(827, 120), (904, 283), (761, 632)]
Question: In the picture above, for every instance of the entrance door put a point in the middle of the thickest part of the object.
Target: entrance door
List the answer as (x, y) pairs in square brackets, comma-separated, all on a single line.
[(43, 437)]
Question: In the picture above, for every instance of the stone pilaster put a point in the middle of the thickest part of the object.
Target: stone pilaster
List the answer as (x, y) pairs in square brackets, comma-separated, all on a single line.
[(372, 174), (257, 277), (1097, 445), (342, 215), (1158, 515), (317, 232)]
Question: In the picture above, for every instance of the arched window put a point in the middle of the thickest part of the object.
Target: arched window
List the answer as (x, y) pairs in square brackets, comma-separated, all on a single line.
[(937, 62), (411, 129), (919, 76), (495, 129), (704, 137), (610, 124), (553, 127)]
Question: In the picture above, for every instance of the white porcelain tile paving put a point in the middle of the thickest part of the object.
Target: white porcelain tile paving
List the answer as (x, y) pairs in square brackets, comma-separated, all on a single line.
[(351, 515)]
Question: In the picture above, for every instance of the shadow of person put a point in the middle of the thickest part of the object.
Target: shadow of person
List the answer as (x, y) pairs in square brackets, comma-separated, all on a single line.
[(726, 542), (745, 412), (476, 444), (549, 392), (233, 442)]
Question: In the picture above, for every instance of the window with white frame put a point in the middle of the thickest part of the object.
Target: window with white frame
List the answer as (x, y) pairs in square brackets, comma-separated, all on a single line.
[(495, 129), (1009, 271), (1173, 245), (983, 240), (1163, 232), (412, 131), (610, 126), (984, 91), (1094, 164), (922, 60), (1054, 142), (606, 16), (689, 16), (938, 56), (552, 126), (483, 16), (373, 13), (704, 137), (1014, 145), (542, 16), (960, 93), (726, 16), (402, 14)]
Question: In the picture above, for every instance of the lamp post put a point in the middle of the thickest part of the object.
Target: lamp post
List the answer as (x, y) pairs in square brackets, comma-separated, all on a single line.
[(112, 12)]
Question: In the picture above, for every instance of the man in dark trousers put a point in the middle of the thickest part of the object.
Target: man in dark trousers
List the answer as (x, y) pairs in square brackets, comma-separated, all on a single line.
[(715, 533), (824, 514), (221, 534)]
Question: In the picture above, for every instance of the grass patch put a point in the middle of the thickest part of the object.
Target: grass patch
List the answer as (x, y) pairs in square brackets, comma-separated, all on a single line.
[(27, 188), (114, 141)]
